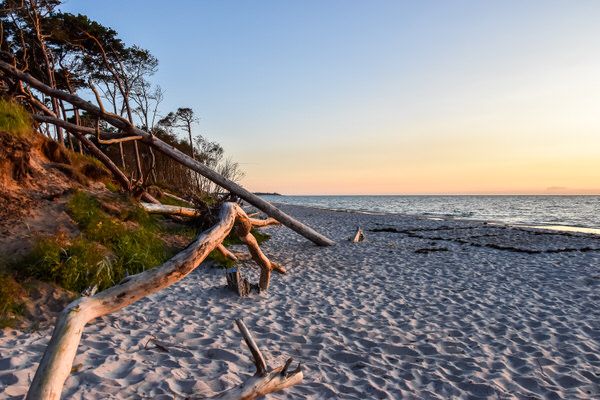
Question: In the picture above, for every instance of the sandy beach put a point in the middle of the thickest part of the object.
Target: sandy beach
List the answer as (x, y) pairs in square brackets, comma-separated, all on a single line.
[(421, 309)]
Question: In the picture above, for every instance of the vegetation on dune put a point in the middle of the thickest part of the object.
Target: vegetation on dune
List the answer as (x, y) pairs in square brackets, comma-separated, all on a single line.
[(74, 265), (108, 249), (10, 306), (14, 118), (116, 238)]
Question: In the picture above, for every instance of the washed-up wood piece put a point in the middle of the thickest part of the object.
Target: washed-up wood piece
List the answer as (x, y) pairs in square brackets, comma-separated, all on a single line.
[(359, 236), (237, 283), (170, 210), (266, 380)]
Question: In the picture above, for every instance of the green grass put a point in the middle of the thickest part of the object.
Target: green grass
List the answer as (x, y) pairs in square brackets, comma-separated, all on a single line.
[(107, 250), (173, 202), (233, 239), (10, 306), (220, 260), (14, 118), (73, 265), (112, 187)]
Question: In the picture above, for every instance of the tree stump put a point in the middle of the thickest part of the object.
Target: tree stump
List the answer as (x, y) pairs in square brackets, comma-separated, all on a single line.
[(237, 283)]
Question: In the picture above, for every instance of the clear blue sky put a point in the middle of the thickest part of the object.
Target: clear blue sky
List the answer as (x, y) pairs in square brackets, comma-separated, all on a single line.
[(383, 96)]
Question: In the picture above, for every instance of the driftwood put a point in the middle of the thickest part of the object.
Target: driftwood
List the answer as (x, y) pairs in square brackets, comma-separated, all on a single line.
[(170, 210), (243, 230), (57, 361), (265, 380), (359, 236), (226, 253), (151, 140), (237, 283)]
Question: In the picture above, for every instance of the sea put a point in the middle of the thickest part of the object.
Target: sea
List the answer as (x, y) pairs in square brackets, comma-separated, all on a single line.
[(568, 213)]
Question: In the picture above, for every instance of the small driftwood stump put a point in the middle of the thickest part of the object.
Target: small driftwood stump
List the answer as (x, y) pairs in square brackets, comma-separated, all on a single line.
[(239, 284), (359, 236)]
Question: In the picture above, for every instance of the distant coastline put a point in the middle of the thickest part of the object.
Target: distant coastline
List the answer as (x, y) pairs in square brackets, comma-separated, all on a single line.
[(267, 194)]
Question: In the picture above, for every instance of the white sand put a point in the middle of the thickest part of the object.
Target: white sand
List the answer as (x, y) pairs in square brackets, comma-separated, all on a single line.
[(369, 320)]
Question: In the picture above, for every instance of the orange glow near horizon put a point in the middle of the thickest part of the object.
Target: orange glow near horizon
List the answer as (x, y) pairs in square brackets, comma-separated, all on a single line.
[(540, 138)]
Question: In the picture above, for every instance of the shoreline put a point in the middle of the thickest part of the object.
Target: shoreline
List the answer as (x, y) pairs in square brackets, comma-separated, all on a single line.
[(548, 227), (420, 309)]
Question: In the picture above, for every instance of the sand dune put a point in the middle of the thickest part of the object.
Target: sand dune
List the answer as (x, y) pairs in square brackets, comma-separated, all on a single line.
[(421, 309)]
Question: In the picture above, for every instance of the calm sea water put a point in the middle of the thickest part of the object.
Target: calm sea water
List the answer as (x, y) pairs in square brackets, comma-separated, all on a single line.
[(569, 211)]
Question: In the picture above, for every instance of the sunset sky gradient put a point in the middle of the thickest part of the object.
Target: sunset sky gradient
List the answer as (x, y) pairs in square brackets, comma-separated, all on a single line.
[(383, 97)]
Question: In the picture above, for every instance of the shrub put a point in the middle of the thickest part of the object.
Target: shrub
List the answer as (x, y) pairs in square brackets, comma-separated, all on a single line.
[(14, 118)]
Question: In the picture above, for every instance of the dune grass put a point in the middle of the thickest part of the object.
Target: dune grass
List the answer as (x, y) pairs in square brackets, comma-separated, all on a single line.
[(108, 249), (14, 118), (10, 306)]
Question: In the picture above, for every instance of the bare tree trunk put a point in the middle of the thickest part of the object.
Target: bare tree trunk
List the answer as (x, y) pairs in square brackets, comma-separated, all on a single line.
[(122, 154), (175, 154), (75, 109), (69, 136), (35, 20), (170, 210)]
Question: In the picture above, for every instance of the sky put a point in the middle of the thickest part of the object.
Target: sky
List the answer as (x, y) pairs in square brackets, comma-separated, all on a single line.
[(383, 97)]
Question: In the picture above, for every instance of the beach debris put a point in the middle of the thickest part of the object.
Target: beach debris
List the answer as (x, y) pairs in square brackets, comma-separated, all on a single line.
[(359, 236), (158, 344), (387, 229), (266, 380), (238, 284), (170, 210)]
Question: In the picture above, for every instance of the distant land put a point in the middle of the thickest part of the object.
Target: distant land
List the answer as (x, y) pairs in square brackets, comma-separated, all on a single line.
[(267, 194)]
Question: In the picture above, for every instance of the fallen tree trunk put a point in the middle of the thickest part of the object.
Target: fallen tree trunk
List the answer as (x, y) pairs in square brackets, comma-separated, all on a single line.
[(58, 358), (182, 158), (170, 210)]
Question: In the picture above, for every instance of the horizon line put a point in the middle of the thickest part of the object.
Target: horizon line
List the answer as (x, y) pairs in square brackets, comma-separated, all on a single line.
[(429, 194)]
